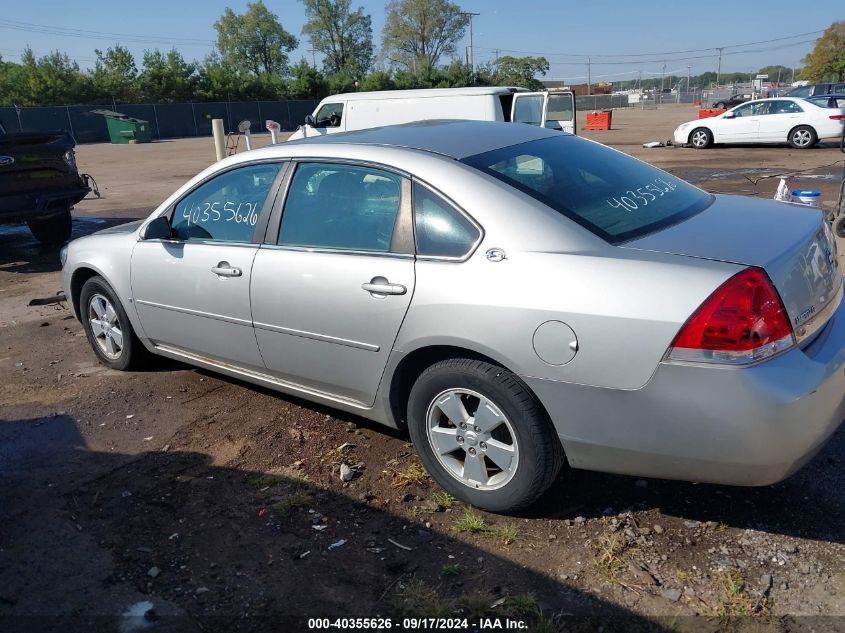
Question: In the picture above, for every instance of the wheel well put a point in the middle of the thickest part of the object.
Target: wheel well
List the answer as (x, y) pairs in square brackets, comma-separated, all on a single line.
[(695, 129), (80, 276), (416, 362), (810, 127)]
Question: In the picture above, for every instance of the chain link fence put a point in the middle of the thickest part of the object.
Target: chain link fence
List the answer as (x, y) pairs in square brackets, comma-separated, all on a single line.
[(167, 120)]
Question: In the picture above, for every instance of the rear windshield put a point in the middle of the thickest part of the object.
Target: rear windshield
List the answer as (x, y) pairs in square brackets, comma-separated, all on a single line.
[(613, 195)]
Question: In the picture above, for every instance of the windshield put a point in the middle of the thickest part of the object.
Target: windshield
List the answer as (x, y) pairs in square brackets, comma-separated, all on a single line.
[(613, 195)]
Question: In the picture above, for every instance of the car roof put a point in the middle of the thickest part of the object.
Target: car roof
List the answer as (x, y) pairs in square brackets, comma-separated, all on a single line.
[(424, 93), (455, 139)]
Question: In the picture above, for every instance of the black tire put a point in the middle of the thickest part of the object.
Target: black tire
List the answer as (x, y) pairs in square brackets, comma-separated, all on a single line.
[(802, 137), (839, 227), (132, 353), (540, 454), (719, 105), (701, 138), (52, 230)]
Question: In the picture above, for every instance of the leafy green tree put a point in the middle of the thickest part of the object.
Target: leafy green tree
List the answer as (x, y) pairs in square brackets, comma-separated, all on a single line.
[(776, 72), (343, 36), (522, 71), (50, 80), (306, 82), (254, 41), (827, 59), (167, 77), (378, 80), (115, 75), (219, 80), (418, 33)]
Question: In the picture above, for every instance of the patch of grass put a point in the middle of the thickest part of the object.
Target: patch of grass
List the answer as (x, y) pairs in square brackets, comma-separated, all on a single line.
[(522, 604), (684, 577), (335, 456), (443, 499), (475, 604), (545, 625), (415, 513), (732, 597), (417, 599), (413, 474), (506, 533), (296, 500), (608, 561), (471, 522), (451, 569)]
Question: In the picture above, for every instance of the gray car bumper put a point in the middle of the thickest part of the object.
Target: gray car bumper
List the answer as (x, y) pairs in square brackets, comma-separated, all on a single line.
[(752, 426)]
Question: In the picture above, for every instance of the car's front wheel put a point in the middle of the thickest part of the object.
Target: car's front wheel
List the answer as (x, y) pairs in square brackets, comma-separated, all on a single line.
[(107, 327), (483, 435), (803, 137), (701, 138), (839, 226), (52, 230)]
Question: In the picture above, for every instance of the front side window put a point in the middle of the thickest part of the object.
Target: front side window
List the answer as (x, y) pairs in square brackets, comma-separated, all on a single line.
[(225, 208), (440, 229), (839, 89), (330, 115), (756, 108), (341, 207), (613, 195)]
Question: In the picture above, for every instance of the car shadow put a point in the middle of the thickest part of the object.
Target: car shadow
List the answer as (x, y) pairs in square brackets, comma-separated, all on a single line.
[(170, 541)]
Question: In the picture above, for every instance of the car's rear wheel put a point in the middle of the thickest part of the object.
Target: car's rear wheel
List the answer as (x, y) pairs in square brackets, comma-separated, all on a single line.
[(483, 435), (839, 227), (720, 106), (701, 138), (803, 137), (52, 230), (107, 327)]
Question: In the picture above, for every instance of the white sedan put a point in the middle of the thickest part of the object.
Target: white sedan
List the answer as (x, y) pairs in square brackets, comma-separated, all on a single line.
[(798, 122)]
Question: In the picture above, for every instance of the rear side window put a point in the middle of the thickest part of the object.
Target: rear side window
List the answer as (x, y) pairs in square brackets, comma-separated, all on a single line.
[(784, 107), (225, 208), (341, 207), (839, 89), (440, 229), (613, 195)]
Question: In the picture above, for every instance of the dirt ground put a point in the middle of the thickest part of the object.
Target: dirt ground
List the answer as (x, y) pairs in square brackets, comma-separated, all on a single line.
[(173, 499)]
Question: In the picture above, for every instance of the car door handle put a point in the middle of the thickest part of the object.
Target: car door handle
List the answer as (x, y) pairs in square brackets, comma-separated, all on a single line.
[(224, 270), (380, 286)]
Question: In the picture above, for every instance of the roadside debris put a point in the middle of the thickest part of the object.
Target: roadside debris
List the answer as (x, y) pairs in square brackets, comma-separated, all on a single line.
[(337, 544)]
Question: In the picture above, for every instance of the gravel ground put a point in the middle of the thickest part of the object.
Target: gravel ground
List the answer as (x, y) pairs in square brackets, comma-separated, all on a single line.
[(208, 504)]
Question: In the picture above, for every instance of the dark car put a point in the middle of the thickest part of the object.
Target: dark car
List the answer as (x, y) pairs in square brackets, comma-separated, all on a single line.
[(828, 101), (39, 183), (724, 104), (817, 89)]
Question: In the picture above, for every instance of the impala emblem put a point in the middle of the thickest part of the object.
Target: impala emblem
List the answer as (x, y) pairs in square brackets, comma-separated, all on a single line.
[(6, 160)]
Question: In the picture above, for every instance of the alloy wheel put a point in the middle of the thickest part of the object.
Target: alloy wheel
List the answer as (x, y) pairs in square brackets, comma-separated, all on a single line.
[(105, 326), (472, 439)]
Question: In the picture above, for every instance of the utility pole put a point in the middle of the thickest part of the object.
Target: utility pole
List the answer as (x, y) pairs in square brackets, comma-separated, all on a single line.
[(497, 61), (589, 76), (689, 68), (313, 52), (469, 15), (719, 69), (662, 77)]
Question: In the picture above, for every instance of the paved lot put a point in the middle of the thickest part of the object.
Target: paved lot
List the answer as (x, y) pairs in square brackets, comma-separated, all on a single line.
[(219, 506)]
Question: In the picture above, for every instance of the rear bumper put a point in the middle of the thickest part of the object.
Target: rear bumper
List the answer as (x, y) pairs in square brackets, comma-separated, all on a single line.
[(21, 207), (752, 426)]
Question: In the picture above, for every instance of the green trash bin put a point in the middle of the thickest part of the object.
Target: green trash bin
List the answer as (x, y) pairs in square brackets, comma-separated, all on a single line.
[(126, 129)]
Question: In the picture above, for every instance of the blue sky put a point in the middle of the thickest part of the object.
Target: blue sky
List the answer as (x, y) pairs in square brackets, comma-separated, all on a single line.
[(564, 31)]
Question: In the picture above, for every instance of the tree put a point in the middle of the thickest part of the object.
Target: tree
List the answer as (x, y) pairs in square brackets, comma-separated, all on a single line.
[(343, 36), (522, 71), (378, 80), (417, 33), (827, 59), (306, 82), (115, 74), (50, 80), (167, 77), (777, 73), (255, 41)]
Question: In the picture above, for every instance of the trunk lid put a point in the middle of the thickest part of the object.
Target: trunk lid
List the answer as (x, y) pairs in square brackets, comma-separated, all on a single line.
[(792, 243)]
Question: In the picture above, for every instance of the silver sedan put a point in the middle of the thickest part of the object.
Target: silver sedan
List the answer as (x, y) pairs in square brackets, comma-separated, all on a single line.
[(515, 297)]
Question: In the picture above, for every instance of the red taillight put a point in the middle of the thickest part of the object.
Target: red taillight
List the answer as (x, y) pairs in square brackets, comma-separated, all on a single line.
[(743, 321), (837, 117)]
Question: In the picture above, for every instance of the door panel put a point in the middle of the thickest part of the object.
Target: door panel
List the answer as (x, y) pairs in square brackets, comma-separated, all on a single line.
[(318, 327), (782, 116), (183, 304), (741, 128)]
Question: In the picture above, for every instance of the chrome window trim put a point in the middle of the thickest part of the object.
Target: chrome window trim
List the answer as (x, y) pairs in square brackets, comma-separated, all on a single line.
[(460, 210), (336, 251)]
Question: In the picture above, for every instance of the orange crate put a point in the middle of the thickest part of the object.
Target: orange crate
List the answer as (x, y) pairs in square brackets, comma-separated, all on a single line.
[(706, 114), (599, 120)]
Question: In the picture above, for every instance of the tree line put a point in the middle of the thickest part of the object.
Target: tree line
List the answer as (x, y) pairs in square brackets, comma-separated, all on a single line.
[(251, 60)]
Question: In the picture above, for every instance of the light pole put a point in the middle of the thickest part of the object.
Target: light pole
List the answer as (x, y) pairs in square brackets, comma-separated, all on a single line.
[(719, 69), (469, 15), (689, 68)]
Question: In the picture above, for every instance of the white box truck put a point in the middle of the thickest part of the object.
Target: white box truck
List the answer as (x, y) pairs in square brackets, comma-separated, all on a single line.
[(361, 110)]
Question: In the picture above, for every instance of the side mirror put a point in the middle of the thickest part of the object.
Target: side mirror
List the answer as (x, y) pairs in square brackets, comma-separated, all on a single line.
[(310, 120), (728, 115), (158, 229)]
